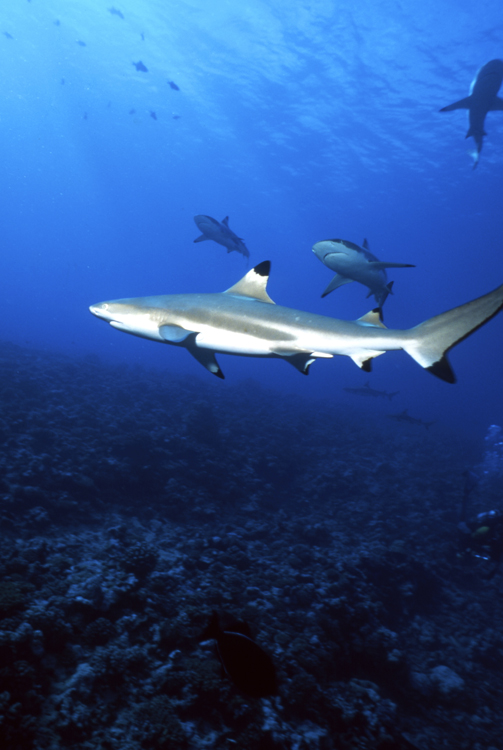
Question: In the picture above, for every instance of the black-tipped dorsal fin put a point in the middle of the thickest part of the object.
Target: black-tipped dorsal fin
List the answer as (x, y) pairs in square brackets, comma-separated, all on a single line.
[(254, 284), (372, 318)]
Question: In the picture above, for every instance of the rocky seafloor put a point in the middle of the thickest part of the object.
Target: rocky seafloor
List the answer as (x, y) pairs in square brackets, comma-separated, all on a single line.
[(133, 504)]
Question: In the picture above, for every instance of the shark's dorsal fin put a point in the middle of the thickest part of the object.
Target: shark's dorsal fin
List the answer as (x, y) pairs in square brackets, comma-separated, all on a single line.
[(226, 221), (372, 318), (365, 244), (254, 283)]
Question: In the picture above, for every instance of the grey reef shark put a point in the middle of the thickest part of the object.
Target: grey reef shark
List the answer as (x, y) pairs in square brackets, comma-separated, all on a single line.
[(368, 391), (483, 98), (354, 263), (404, 417), (219, 231), (244, 321)]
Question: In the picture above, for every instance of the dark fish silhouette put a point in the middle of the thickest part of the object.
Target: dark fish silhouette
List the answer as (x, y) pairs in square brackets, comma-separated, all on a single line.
[(132, 111), (81, 43), (174, 86), (57, 23), (481, 100), (153, 114), (142, 37), (116, 12), (140, 66), (368, 391), (7, 35), (243, 661), (404, 417), (176, 117), (62, 81)]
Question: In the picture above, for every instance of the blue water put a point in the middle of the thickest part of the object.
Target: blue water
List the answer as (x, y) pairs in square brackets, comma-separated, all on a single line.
[(300, 121)]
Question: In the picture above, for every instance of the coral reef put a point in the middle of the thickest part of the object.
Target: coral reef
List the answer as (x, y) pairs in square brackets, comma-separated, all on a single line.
[(130, 512)]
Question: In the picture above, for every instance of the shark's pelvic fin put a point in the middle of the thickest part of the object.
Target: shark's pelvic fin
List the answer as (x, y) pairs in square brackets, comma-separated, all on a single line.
[(364, 358), (336, 282), (462, 104), (430, 341), (497, 105), (202, 238), (254, 283)]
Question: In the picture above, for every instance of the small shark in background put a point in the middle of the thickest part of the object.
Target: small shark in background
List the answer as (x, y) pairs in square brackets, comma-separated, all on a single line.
[(116, 12), (482, 99), (404, 417), (141, 67), (368, 391), (244, 321), (219, 232), (355, 263), (173, 86)]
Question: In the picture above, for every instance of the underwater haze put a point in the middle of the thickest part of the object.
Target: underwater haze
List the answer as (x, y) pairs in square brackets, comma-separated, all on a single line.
[(300, 122), (338, 537)]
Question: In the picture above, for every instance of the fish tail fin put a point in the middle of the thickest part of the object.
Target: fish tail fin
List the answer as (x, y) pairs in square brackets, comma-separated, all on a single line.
[(390, 395), (429, 342)]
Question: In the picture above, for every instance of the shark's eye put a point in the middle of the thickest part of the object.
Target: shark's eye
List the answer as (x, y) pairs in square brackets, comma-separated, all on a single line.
[(104, 307)]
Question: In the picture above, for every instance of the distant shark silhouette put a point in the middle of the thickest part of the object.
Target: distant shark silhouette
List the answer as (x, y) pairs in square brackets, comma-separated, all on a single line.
[(355, 263), (219, 232), (481, 100), (368, 391), (404, 417)]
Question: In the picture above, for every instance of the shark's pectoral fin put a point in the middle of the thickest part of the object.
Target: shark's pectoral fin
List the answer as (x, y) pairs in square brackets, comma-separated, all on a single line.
[(380, 265), (496, 105), (207, 358), (336, 282), (364, 358), (174, 334), (202, 238), (462, 104)]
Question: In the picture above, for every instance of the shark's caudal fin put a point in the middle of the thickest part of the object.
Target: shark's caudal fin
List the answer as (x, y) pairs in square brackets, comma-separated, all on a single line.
[(430, 341)]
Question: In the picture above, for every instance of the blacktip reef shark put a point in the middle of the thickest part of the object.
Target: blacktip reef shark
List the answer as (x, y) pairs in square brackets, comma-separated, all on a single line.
[(219, 231), (482, 99), (368, 391), (244, 321), (355, 263), (404, 417)]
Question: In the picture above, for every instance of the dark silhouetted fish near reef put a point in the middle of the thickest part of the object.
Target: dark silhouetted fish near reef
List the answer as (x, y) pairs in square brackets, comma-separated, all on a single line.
[(368, 391), (243, 661), (403, 416), (174, 86), (140, 66)]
